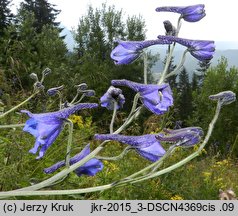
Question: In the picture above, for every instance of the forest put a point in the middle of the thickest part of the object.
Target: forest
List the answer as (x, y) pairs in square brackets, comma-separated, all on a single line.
[(34, 59)]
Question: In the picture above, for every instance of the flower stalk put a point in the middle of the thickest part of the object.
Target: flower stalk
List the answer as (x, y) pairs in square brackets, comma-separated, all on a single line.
[(19, 105), (113, 116), (70, 139)]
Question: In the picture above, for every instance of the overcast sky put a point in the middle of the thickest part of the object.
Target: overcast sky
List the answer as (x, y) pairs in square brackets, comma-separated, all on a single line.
[(220, 23)]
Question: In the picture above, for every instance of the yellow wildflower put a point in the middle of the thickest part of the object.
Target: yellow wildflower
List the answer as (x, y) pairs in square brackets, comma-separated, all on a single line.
[(176, 197)]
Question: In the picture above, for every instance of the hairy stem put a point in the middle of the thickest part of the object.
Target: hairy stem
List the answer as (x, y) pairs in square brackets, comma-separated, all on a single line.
[(179, 66), (190, 157), (69, 145), (145, 68), (120, 156), (113, 116), (11, 126), (20, 104), (169, 55)]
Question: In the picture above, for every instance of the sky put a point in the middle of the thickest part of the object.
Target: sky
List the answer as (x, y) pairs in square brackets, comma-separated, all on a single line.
[(219, 24)]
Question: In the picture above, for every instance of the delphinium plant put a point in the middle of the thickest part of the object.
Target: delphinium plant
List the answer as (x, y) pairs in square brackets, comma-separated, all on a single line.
[(157, 98)]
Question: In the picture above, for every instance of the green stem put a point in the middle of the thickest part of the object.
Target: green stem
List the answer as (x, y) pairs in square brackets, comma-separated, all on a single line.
[(179, 66), (113, 116), (190, 157), (145, 68), (74, 99), (154, 165), (132, 114), (14, 108), (69, 145), (169, 56), (54, 178), (12, 126), (166, 67), (31, 189), (178, 25), (61, 99), (54, 192), (80, 99), (120, 156)]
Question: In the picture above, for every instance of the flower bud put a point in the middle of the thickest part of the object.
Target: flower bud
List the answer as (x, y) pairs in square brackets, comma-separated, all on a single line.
[(55, 90), (38, 85), (81, 87), (225, 97), (34, 76), (89, 93), (46, 71)]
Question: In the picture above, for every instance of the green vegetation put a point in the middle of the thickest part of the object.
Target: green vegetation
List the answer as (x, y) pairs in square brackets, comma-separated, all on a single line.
[(30, 43)]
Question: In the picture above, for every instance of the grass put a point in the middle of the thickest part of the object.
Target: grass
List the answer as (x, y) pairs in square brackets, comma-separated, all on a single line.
[(199, 179)]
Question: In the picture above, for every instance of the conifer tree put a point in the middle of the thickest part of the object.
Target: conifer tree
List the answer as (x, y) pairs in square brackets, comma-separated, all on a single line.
[(44, 13), (185, 96), (202, 68), (195, 82), (95, 37), (5, 15)]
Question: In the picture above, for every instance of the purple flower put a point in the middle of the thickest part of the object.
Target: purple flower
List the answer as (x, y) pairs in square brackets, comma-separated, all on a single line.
[(46, 127), (55, 90), (189, 136), (128, 51), (225, 97), (156, 98), (111, 96), (191, 13), (202, 50), (147, 145), (90, 168)]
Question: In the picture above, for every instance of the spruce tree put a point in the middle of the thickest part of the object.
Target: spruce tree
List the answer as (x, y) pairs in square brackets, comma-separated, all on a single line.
[(202, 68), (195, 82), (44, 13), (95, 37), (184, 96), (5, 15), (135, 28)]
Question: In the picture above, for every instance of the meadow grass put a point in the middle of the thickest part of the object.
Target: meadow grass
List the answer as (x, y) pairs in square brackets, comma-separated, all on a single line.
[(200, 179)]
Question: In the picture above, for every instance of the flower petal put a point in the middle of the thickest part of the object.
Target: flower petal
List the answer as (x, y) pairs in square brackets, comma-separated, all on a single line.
[(90, 168), (146, 145)]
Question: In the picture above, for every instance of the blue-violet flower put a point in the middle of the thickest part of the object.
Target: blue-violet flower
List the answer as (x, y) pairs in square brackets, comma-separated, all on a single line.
[(189, 136), (156, 98), (203, 50), (191, 13), (146, 145), (111, 96), (128, 51), (90, 168), (45, 127)]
